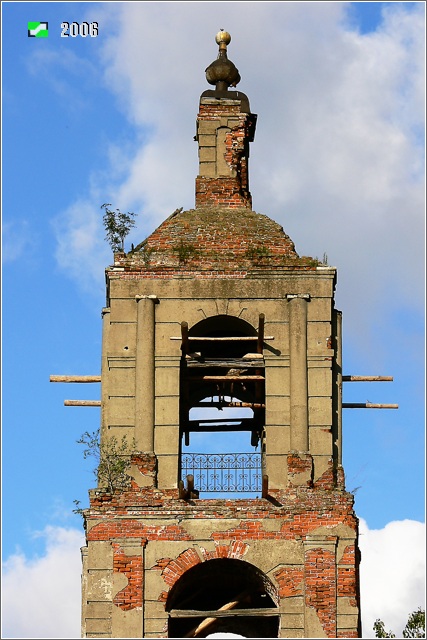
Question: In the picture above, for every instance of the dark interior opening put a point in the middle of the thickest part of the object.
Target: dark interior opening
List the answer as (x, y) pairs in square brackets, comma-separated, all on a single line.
[(214, 584)]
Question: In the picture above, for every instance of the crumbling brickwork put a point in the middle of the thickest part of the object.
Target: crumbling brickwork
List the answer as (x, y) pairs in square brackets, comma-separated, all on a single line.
[(223, 134), (315, 528), (161, 559)]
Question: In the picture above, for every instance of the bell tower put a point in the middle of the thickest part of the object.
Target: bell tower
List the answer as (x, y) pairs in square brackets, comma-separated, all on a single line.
[(216, 329)]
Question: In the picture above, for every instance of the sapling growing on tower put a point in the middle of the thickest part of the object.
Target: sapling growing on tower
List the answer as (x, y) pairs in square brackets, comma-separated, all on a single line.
[(117, 225), (112, 458)]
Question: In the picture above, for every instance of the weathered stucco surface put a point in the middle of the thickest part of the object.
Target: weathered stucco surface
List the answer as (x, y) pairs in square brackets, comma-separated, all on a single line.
[(152, 545)]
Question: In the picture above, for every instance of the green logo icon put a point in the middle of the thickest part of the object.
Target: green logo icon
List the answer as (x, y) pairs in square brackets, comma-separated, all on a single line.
[(38, 30)]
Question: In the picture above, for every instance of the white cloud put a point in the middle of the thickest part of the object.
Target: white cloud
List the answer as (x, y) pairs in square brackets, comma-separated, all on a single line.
[(57, 68), (392, 574), (337, 157), (18, 240), (41, 596), (81, 251)]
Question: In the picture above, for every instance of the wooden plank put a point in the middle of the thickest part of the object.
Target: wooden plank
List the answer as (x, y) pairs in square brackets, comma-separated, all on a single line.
[(75, 378), (368, 405), (220, 428), (194, 613), (230, 363), (208, 621), (218, 420), (222, 339), (82, 403), (226, 378), (367, 378), (251, 405), (222, 424), (220, 405)]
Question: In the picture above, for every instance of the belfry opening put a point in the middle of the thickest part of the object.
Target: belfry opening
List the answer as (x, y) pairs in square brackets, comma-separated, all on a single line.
[(217, 334), (222, 405)]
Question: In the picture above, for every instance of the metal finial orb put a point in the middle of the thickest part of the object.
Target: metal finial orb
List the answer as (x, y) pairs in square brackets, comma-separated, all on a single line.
[(223, 37)]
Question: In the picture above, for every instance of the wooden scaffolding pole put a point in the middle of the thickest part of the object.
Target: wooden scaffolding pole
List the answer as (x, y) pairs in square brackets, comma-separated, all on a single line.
[(368, 405), (75, 378), (367, 378), (82, 403)]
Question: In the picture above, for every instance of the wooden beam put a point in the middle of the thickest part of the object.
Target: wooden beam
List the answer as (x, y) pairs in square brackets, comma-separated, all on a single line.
[(264, 493), (215, 420), (230, 428), (185, 347), (368, 405), (208, 621), (226, 363), (82, 403), (251, 405), (195, 613), (260, 343), (223, 339), (189, 492), (181, 490), (75, 379), (367, 378), (211, 426), (220, 405), (226, 378)]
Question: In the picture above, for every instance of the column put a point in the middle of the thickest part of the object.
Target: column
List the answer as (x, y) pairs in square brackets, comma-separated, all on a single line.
[(298, 372), (338, 320), (106, 325), (144, 374)]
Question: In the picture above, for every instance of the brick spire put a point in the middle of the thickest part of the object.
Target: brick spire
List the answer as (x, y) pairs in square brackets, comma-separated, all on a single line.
[(225, 127)]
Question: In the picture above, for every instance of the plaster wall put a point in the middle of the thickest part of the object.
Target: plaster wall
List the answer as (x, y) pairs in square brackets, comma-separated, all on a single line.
[(178, 300)]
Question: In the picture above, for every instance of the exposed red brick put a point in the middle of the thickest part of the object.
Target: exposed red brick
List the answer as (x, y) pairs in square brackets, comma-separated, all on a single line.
[(297, 464), (299, 510), (173, 568), (328, 478), (212, 242), (320, 587), (290, 581), (132, 595)]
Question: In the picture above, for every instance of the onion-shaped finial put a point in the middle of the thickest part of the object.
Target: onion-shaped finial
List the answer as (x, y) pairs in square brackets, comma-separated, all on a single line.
[(222, 72)]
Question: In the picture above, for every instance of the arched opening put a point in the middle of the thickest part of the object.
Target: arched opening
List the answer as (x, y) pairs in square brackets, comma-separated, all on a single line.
[(222, 407), (223, 595)]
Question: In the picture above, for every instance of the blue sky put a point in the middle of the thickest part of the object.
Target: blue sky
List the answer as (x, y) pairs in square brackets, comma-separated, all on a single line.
[(338, 159)]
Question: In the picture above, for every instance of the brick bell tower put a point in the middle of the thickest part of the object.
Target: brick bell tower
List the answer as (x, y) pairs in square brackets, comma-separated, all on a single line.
[(216, 327)]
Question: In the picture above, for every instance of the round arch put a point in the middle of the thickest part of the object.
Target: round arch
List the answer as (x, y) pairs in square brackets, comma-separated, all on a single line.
[(223, 326), (229, 325), (227, 584)]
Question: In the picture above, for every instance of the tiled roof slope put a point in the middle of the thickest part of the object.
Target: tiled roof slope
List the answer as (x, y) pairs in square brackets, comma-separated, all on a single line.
[(214, 242)]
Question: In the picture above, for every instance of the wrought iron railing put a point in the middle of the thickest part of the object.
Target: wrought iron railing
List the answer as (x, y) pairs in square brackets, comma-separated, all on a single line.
[(223, 472)]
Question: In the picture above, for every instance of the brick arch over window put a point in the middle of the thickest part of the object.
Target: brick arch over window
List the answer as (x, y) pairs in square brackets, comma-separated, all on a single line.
[(216, 587)]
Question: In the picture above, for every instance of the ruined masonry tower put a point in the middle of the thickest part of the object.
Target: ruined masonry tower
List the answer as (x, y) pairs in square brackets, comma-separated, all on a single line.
[(214, 325)]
